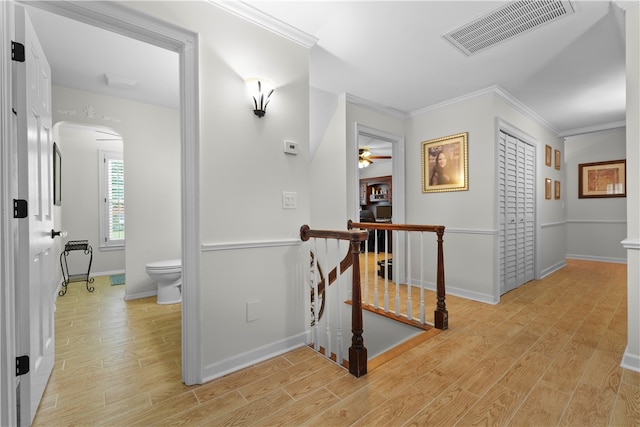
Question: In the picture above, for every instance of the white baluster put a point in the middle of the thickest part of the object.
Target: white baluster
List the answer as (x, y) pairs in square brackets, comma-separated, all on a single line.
[(316, 297), (326, 300), (422, 320), (339, 304), (409, 305), (365, 284), (395, 241), (386, 272), (375, 265)]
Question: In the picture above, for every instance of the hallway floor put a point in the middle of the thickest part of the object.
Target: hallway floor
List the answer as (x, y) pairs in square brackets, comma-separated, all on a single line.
[(547, 355)]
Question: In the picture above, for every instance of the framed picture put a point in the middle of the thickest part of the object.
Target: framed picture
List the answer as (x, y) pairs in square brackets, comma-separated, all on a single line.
[(556, 190), (445, 164), (547, 188), (557, 159), (602, 179), (57, 176), (547, 155)]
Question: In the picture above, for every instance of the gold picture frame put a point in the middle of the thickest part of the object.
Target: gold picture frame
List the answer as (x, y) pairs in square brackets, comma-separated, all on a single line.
[(547, 188), (602, 179), (557, 159), (547, 155), (556, 190), (445, 164)]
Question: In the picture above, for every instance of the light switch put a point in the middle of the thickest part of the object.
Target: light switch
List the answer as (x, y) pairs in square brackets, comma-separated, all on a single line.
[(289, 200)]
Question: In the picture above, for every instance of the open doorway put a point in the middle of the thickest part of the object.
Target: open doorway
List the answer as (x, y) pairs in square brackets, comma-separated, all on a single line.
[(141, 27)]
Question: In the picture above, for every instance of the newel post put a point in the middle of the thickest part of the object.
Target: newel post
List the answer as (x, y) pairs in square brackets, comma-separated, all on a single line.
[(357, 351), (441, 315)]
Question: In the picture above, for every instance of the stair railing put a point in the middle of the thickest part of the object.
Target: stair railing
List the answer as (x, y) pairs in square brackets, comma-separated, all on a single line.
[(441, 316), (357, 351)]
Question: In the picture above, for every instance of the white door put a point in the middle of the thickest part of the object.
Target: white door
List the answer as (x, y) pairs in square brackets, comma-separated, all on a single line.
[(35, 292), (516, 185)]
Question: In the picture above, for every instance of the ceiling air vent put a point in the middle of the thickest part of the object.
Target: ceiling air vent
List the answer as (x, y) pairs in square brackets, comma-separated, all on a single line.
[(506, 22)]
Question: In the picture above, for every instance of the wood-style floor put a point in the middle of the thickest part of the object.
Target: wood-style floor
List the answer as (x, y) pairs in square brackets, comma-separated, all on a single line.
[(547, 355)]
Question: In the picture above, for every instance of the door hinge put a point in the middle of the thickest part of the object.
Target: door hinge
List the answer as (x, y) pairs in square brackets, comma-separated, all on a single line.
[(22, 365), (20, 208), (17, 51)]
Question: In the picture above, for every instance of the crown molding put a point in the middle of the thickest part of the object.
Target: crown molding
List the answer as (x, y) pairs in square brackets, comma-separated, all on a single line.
[(352, 99), (255, 16), (590, 129), (493, 90)]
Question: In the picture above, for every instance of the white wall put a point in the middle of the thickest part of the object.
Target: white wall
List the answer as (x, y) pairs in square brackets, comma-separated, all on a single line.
[(470, 217), (152, 175), (80, 211), (595, 227), (251, 249)]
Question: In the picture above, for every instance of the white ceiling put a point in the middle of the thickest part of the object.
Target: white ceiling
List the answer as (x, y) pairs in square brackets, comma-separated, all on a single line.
[(570, 73)]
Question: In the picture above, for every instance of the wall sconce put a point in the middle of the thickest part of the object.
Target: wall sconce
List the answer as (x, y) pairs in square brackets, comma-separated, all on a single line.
[(261, 91)]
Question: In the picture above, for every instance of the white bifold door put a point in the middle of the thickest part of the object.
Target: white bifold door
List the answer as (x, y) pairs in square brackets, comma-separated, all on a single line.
[(517, 204)]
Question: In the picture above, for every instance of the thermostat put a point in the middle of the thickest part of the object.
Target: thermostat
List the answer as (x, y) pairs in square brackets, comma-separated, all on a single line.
[(291, 147)]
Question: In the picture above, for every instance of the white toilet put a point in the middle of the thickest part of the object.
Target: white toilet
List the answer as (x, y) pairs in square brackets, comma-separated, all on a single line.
[(168, 276)]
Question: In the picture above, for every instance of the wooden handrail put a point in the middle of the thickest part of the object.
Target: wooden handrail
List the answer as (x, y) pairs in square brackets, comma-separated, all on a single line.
[(357, 351), (441, 315)]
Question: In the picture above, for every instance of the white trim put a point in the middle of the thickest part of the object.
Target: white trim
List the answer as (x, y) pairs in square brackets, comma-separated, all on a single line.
[(142, 295), (596, 258), (251, 357), (552, 269), (495, 90), (268, 22), (373, 106), (591, 129), (597, 221), (208, 247), (553, 224), (631, 243), (459, 292), (630, 361), (107, 273), (484, 232), (130, 23)]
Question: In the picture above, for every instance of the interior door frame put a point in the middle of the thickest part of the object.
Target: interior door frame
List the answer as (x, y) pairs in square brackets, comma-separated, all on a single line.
[(506, 127), (130, 23)]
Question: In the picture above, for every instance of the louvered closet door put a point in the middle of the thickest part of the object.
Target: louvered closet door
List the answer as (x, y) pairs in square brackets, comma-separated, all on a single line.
[(517, 207)]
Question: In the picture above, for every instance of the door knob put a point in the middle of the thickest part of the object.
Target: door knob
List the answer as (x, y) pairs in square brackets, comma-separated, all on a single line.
[(61, 233)]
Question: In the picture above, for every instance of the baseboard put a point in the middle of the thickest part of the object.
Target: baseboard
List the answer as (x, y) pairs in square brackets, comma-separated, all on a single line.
[(140, 295), (596, 258), (549, 270), (251, 357), (630, 361), (462, 293), (106, 273)]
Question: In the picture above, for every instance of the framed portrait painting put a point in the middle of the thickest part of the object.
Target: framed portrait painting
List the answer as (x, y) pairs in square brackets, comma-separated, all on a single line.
[(445, 164), (602, 179)]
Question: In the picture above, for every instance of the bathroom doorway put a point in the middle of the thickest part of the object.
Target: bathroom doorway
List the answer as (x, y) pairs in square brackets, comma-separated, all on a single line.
[(140, 27)]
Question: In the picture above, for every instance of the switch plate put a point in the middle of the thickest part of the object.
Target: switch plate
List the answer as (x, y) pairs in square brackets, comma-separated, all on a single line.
[(291, 147), (252, 310), (289, 200)]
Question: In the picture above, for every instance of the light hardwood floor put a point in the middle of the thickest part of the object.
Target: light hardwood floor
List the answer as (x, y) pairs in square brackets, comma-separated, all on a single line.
[(548, 354)]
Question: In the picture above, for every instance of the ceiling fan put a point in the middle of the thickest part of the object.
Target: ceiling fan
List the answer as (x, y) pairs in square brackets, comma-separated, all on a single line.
[(365, 158)]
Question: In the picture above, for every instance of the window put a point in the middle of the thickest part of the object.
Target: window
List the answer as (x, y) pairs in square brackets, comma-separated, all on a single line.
[(111, 169)]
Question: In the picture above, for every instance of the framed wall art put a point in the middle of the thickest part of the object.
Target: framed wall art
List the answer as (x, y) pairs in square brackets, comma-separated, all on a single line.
[(445, 164), (547, 188), (602, 179), (547, 155), (556, 190), (557, 159)]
